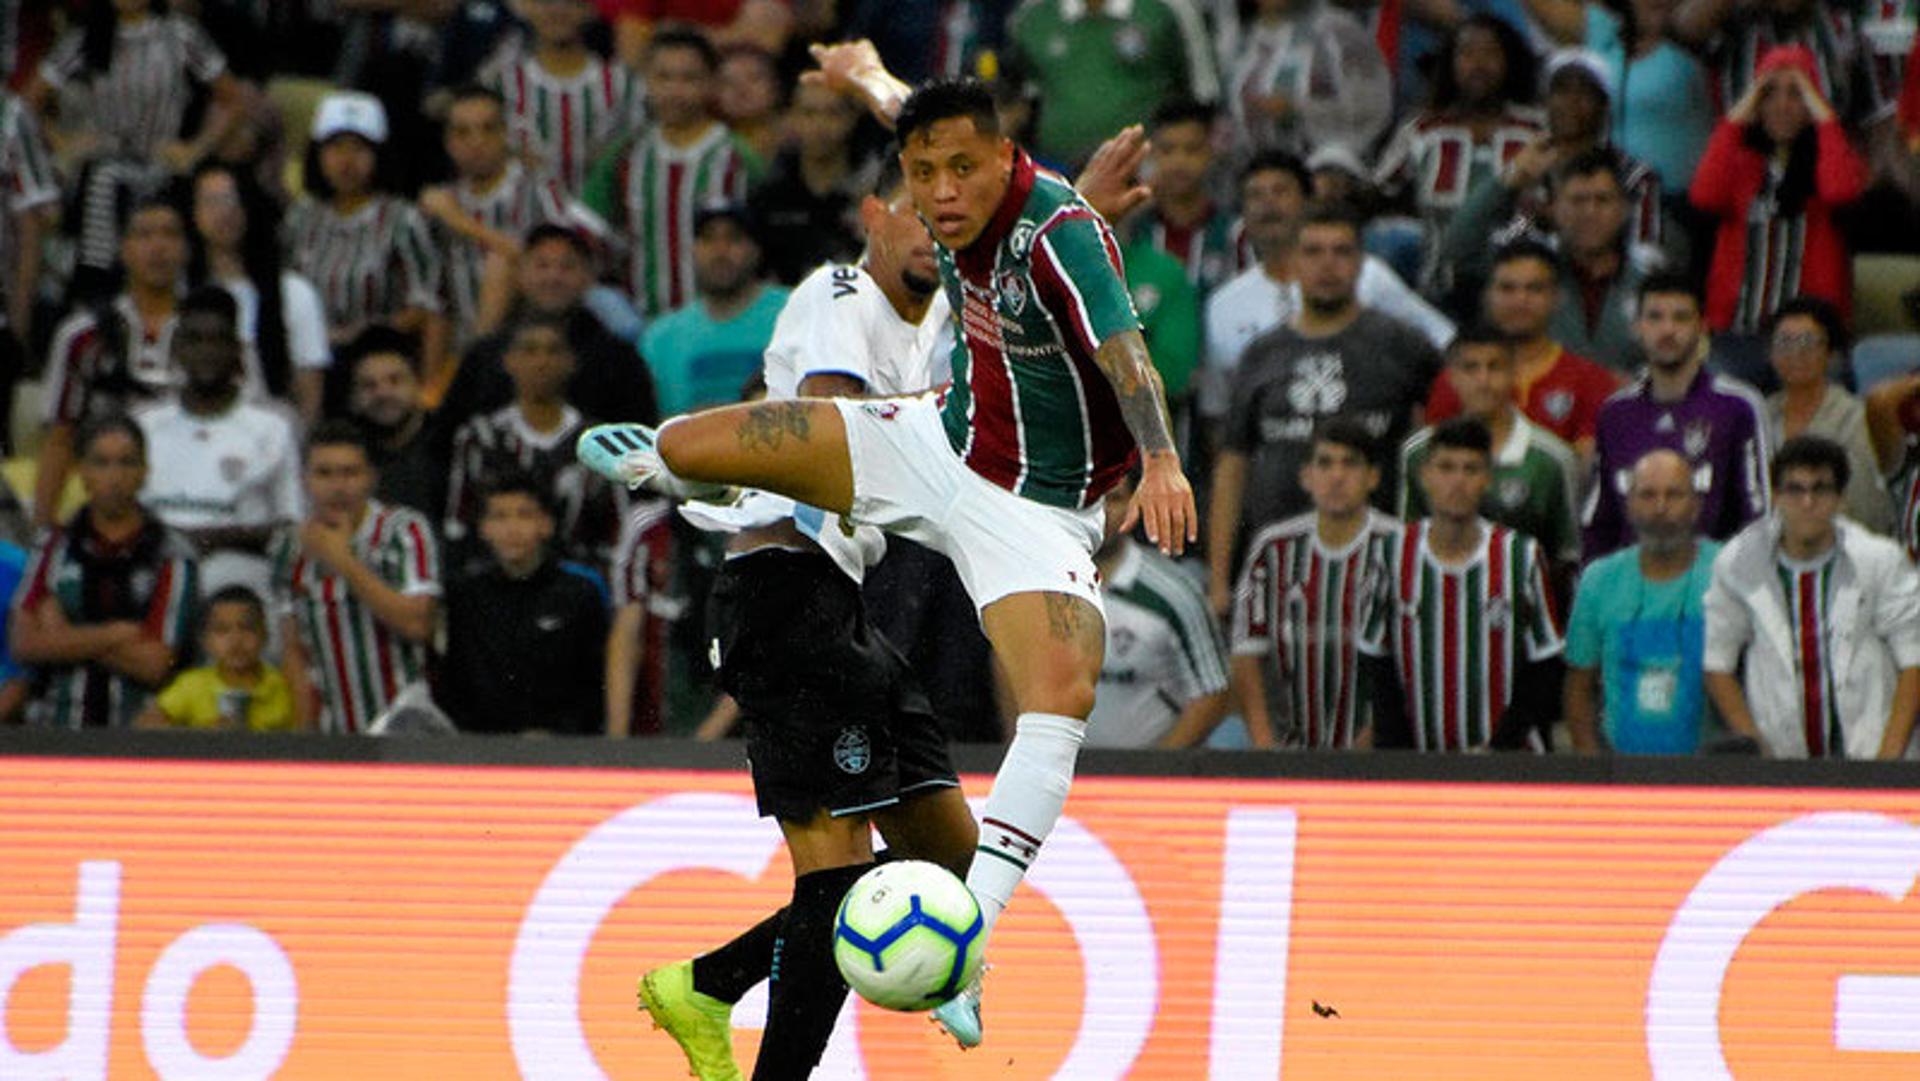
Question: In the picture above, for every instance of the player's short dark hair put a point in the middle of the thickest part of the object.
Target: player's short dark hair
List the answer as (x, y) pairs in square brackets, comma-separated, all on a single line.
[(339, 432), (93, 428), (1823, 312), (477, 92), (678, 36), (1462, 433), (1593, 161), (1278, 161), (947, 99), (1526, 247), (210, 300), (236, 594), (1813, 453), (517, 482), (1479, 333), (1333, 212), (1668, 283), (1346, 430), (1182, 111), (376, 340)]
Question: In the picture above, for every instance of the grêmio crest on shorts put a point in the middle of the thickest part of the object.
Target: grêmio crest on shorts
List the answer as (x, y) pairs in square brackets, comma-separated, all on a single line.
[(1035, 295)]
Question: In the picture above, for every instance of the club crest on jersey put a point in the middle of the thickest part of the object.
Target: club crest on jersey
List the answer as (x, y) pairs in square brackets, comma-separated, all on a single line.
[(1020, 240), (1695, 437), (1511, 492), (1012, 292), (852, 750), (1499, 614), (1123, 640), (1559, 404)]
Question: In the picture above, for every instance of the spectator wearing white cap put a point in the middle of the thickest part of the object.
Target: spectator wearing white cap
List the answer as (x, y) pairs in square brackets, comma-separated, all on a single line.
[(1661, 105), (369, 251)]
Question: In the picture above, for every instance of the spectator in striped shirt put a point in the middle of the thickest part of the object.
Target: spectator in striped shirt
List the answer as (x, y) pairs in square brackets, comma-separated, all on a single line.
[(1302, 600), (684, 158), (644, 612), (107, 358), (29, 195), (358, 585), (1184, 221), (108, 597), (564, 105), (1821, 617), (368, 250)]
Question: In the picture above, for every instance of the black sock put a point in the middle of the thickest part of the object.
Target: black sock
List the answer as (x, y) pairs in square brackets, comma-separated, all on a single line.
[(807, 990), (729, 972)]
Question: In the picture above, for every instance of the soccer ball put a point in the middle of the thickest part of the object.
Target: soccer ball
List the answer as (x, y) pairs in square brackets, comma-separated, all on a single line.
[(909, 935)]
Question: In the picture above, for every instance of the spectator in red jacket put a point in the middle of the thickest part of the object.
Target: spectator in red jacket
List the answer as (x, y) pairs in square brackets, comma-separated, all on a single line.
[(1776, 168)]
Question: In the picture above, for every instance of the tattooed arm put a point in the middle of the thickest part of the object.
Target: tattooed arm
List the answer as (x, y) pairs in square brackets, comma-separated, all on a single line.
[(1164, 501)]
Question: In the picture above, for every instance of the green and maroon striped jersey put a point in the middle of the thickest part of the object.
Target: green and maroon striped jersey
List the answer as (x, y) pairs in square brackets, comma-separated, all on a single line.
[(648, 192), (359, 663), (565, 125), (1304, 605), (1808, 587), (367, 265), (521, 199), (1035, 295), (1456, 633), (27, 180)]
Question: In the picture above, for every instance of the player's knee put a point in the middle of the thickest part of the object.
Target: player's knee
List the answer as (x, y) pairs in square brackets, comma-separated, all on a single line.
[(674, 444), (1068, 694)]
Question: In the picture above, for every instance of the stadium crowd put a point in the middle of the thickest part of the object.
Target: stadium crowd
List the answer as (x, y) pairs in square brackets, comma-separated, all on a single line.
[(1547, 369)]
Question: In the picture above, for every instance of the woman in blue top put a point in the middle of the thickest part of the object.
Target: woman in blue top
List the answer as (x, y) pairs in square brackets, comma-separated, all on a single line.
[(1663, 102)]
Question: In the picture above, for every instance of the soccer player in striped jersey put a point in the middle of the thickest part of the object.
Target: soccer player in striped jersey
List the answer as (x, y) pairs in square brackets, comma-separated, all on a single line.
[(1533, 471), (359, 583), (535, 435), (1465, 615), (684, 158), (493, 201), (1304, 594), (564, 105), (369, 252), (1053, 398), (107, 600), (1820, 618)]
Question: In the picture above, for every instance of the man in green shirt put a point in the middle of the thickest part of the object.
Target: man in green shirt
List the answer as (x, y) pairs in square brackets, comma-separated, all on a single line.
[(1103, 64)]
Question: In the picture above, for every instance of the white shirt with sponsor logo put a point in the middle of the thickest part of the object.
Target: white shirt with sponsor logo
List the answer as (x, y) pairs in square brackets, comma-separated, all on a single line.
[(1163, 650), (238, 469), (838, 322)]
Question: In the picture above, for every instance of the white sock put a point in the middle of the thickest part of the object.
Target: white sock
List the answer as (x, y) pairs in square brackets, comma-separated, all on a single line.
[(1028, 794)]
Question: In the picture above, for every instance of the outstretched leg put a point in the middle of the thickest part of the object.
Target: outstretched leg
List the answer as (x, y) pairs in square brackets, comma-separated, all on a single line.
[(796, 448)]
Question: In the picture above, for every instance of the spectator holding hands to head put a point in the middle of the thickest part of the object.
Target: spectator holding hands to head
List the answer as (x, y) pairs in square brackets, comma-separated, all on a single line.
[(1821, 619), (108, 597)]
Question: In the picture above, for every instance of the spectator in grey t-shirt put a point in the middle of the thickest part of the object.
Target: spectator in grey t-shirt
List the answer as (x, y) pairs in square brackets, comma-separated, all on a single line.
[(1334, 357)]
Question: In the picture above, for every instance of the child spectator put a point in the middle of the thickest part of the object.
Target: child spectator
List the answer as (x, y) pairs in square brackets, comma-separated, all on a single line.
[(236, 688)]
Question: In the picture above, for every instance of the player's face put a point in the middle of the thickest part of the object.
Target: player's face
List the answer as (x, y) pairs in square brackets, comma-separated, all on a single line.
[(540, 361), (820, 121), (1668, 328), (339, 482), (477, 138), (1808, 501), (154, 248), (112, 472), (898, 243), (1662, 504), (1180, 155), (957, 175), (725, 259), (516, 529), (1270, 204), (1482, 375), (386, 392), (1799, 351), (217, 214), (1576, 109), (1520, 298), (1479, 66), (679, 86), (553, 276), (556, 22), (1327, 263), (1589, 213), (1455, 480), (348, 162), (207, 350), (1339, 479), (233, 637)]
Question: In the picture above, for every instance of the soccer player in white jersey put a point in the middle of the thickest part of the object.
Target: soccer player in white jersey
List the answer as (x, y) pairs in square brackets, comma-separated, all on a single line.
[(1054, 398), (811, 676)]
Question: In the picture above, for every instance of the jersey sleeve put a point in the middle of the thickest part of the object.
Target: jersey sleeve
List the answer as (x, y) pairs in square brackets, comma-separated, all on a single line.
[(203, 59), (1541, 630), (1254, 603), (26, 164), (825, 328), (65, 61), (70, 359), (170, 613), (417, 259), (463, 480), (1078, 274), (420, 567), (36, 582)]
